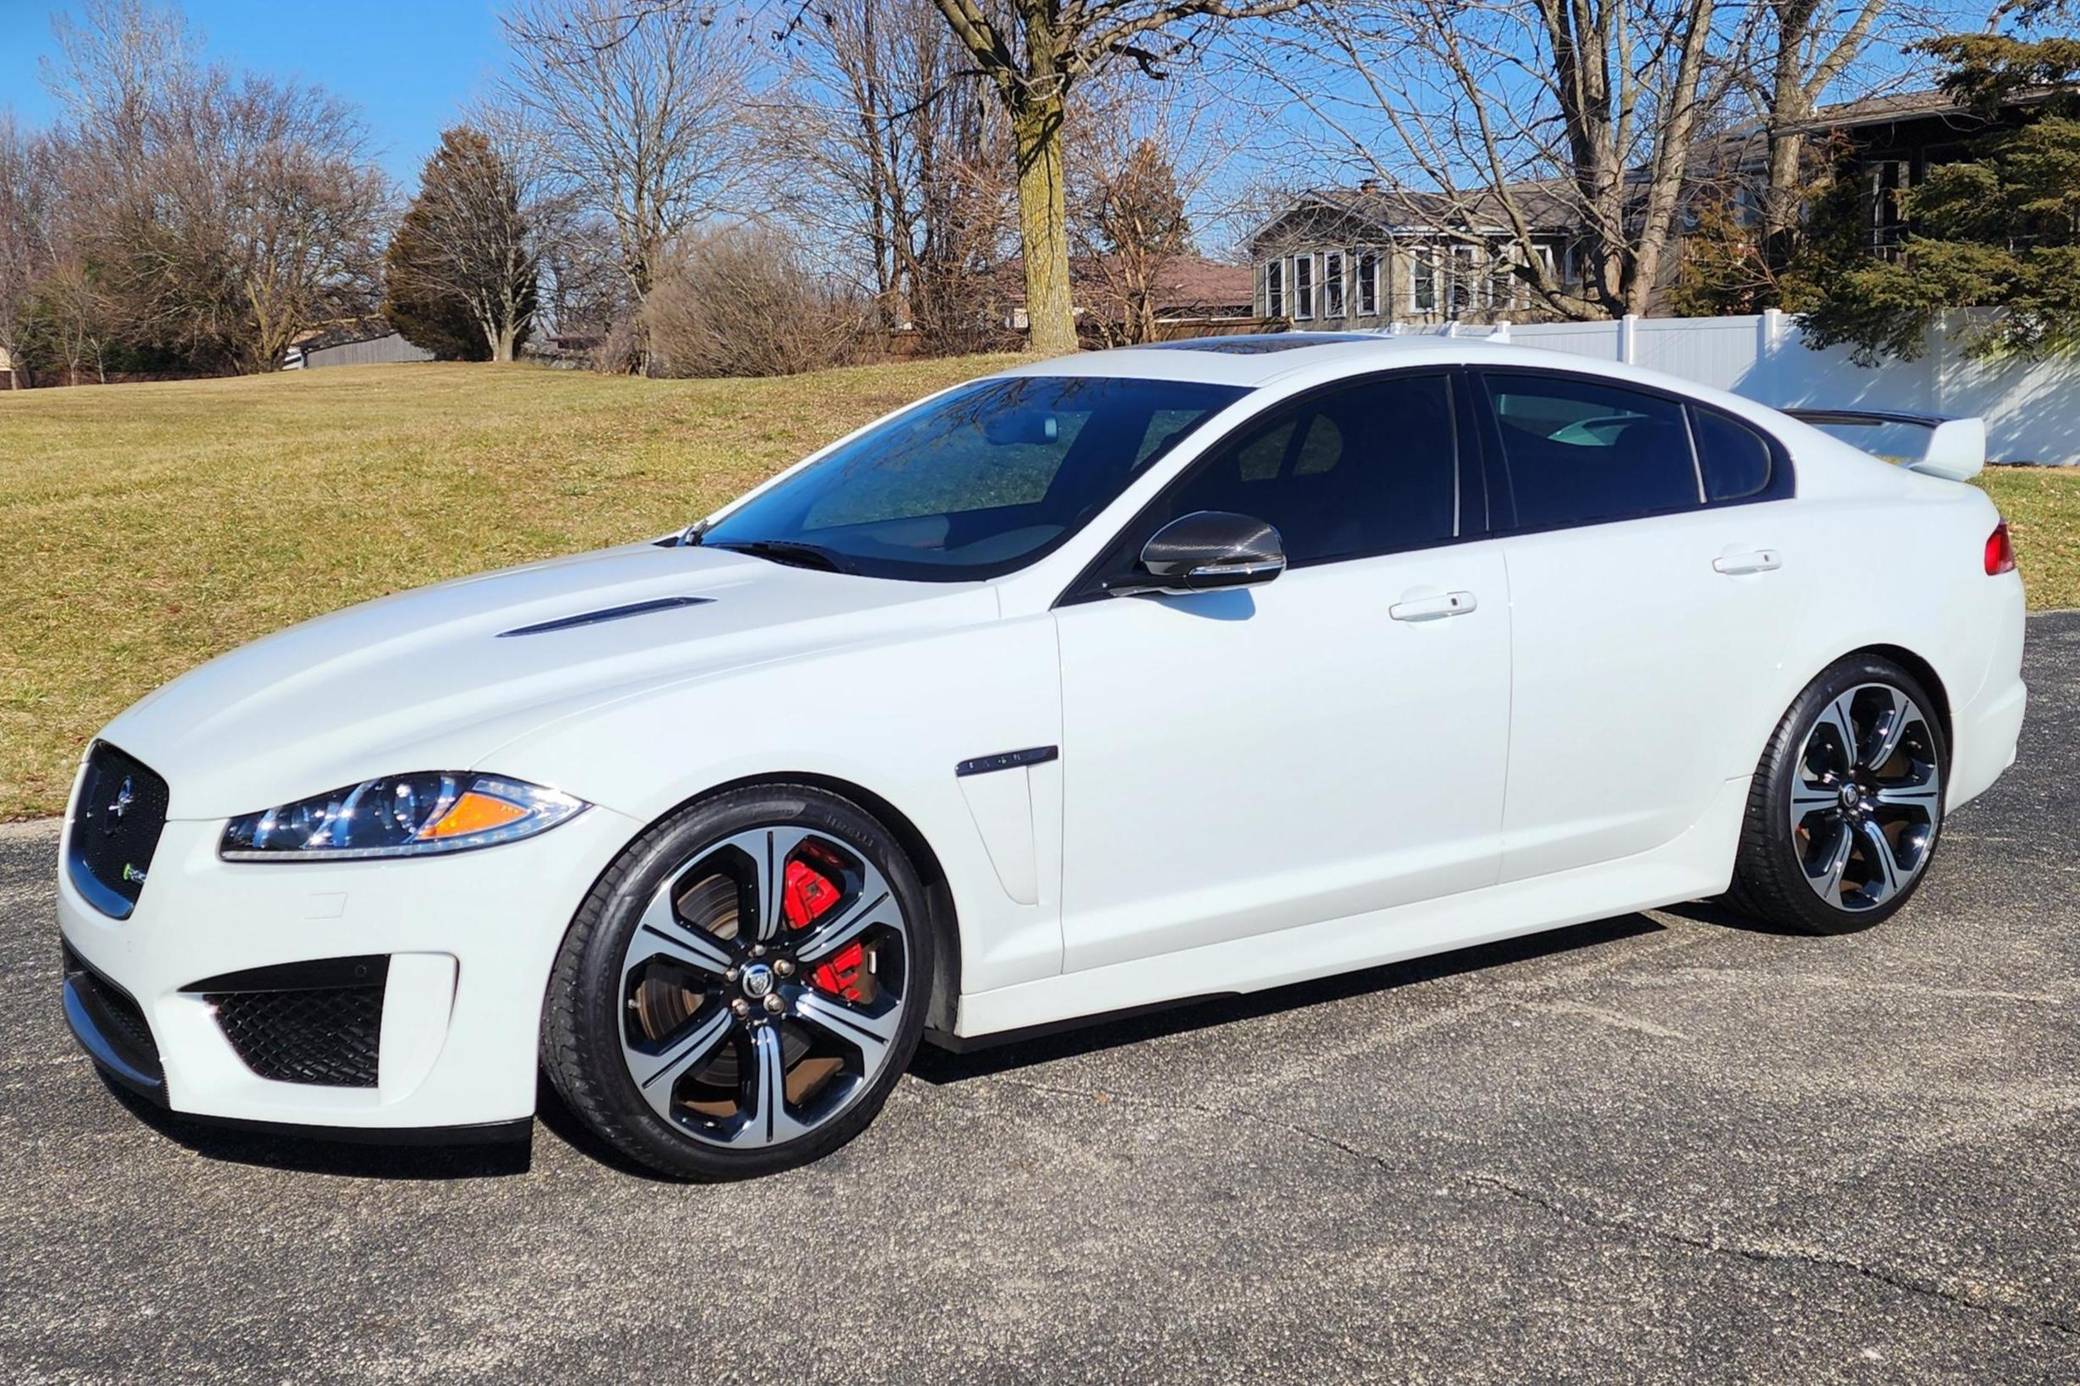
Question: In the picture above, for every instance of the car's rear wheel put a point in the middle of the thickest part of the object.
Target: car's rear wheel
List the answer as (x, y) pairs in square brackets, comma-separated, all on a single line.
[(1847, 803), (744, 986)]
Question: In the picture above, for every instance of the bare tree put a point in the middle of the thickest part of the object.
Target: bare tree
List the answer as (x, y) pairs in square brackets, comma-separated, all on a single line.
[(906, 164), (1519, 116), (641, 109), (1032, 52), (25, 217), (1141, 160), (72, 318), (223, 215)]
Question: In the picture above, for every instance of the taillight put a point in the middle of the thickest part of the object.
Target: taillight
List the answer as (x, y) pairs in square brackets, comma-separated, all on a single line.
[(2000, 553)]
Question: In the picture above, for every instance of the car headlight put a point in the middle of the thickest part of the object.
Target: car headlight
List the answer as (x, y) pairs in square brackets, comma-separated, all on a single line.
[(399, 816)]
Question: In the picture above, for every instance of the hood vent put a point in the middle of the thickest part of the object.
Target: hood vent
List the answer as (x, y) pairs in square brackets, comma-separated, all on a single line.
[(607, 613)]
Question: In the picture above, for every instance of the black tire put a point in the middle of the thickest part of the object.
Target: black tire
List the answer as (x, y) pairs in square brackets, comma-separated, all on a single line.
[(584, 1010), (1771, 881)]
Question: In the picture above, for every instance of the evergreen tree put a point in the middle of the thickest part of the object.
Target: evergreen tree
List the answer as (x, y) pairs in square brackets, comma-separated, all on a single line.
[(461, 273), (2000, 229)]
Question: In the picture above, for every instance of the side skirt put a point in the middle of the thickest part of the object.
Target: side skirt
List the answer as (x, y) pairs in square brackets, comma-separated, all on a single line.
[(1694, 865)]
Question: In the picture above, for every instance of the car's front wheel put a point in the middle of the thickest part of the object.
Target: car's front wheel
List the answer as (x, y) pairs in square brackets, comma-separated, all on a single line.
[(1847, 803), (744, 986)]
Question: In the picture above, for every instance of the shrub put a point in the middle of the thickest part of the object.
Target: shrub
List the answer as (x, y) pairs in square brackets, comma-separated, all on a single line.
[(743, 302)]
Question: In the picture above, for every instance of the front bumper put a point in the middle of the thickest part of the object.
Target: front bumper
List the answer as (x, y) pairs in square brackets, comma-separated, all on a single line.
[(468, 941)]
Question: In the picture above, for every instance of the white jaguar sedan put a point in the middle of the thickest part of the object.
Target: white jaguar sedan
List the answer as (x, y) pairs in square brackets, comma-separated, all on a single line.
[(1105, 682)]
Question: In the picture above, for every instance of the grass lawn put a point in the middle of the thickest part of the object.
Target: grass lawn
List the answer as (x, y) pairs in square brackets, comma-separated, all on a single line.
[(2042, 507), (149, 527)]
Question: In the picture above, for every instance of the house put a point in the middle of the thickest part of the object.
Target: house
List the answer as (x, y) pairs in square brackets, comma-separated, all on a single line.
[(1372, 255), (1186, 292), (7, 381), (1893, 141), (1369, 256)]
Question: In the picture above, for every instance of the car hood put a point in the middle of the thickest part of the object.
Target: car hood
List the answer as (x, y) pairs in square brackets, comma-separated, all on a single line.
[(438, 678)]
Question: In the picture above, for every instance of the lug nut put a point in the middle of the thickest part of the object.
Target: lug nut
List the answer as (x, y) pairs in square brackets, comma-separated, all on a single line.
[(784, 966), (730, 975), (774, 1003), (741, 1007), (758, 950)]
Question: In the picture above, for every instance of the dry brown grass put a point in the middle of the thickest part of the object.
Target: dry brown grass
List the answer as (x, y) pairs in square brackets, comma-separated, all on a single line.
[(2042, 506)]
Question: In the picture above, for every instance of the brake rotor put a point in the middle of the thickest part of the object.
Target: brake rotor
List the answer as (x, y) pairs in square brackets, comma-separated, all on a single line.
[(711, 904)]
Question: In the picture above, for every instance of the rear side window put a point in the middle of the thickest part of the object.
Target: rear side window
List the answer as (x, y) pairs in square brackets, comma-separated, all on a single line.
[(1733, 458), (1365, 468), (1583, 452)]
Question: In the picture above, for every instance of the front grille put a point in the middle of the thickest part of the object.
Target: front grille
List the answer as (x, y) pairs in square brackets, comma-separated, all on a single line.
[(327, 1034), (116, 820), (118, 1018)]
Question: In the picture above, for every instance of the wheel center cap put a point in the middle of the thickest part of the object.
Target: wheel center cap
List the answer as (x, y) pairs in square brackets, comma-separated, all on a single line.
[(758, 981), (1851, 796)]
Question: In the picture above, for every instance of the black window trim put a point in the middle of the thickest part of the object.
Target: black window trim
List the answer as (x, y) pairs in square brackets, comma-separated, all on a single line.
[(1502, 508), (1470, 483)]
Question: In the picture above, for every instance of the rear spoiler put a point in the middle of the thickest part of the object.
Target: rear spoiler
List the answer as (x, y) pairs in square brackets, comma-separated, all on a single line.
[(1955, 450)]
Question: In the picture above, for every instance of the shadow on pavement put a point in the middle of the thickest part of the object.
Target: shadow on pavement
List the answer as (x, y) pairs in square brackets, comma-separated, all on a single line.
[(1707, 912), (324, 1155)]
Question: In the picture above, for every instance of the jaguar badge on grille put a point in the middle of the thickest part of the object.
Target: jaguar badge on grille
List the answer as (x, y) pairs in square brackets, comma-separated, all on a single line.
[(121, 806)]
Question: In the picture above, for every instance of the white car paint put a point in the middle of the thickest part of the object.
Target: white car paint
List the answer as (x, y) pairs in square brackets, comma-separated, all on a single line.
[(1253, 788)]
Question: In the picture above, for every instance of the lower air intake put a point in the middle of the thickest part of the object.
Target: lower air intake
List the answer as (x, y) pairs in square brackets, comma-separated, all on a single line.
[(326, 1035)]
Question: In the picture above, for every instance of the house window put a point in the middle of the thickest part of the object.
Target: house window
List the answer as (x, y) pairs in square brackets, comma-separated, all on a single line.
[(1332, 284), (1368, 283), (1888, 181), (1424, 291), (1502, 280), (1465, 283), (1275, 289), (1303, 286)]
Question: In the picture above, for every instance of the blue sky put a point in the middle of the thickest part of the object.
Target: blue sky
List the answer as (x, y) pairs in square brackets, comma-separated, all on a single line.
[(408, 65)]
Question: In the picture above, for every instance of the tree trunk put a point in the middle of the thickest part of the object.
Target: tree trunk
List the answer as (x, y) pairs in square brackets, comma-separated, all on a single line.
[(1780, 200), (1043, 221), (502, 343)]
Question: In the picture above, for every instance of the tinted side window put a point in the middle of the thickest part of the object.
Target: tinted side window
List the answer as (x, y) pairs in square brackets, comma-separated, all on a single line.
[(1580, 452), (1363, 469), (1733, 458)]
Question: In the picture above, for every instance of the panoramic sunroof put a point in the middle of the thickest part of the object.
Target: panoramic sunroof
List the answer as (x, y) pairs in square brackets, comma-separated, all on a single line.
[(1255, 344)]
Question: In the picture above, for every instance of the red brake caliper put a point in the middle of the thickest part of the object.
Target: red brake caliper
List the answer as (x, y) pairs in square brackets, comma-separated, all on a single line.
[(805, 896)]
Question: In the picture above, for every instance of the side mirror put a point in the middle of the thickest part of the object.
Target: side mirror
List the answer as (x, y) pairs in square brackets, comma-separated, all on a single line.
[(1209, 551)]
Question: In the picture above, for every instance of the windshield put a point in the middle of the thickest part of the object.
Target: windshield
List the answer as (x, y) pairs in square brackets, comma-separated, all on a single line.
[(977, 482)]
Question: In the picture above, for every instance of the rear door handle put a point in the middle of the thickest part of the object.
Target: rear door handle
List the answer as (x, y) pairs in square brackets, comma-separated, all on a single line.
[(1748, 561), (1432, 607)]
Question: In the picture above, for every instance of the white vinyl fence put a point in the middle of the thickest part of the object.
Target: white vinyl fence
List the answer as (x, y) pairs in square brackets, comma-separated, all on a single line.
[(2032, 409)]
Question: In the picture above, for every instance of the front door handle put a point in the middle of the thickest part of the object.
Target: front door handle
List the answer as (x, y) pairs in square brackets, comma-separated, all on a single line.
[(1432, 607), (1735, 563)]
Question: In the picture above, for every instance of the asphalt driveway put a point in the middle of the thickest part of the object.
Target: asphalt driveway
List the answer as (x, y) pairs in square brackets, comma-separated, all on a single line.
[(1660, 1147)]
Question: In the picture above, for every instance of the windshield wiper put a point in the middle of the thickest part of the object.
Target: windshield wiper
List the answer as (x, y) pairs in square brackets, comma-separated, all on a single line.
[(788, 552)]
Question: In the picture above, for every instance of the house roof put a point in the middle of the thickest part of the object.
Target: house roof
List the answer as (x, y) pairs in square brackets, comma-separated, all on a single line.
[(342, 332), (1184, 283), (1409, 211), (1194, 282), (1896, 106)]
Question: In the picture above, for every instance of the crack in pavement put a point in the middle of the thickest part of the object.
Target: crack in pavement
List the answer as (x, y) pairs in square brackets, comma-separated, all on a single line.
[(1588, 1217), (1580, 1216)]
